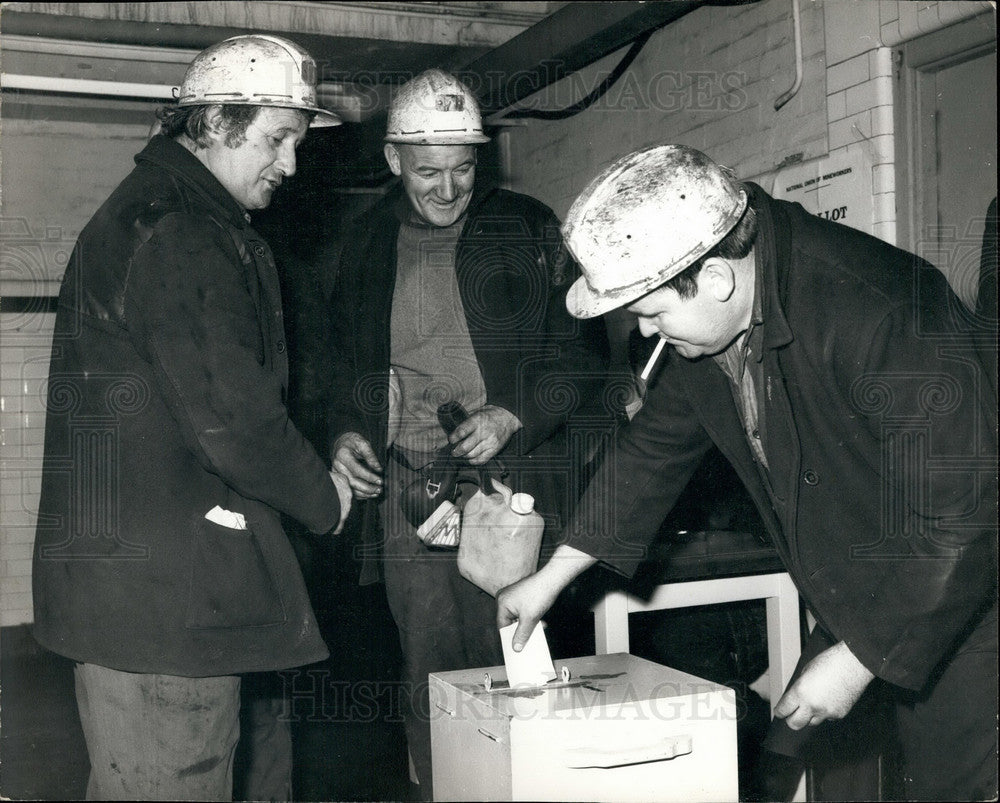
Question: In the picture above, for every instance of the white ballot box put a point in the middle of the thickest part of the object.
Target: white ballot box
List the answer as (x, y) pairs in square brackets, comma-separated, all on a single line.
[(609, 728)]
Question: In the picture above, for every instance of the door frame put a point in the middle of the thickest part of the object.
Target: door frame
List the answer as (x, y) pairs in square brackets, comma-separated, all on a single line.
[(916, 183)]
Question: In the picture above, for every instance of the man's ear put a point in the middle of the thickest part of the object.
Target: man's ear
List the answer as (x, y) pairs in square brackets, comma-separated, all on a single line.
[(214, 127), (717, 278), (392, 157)]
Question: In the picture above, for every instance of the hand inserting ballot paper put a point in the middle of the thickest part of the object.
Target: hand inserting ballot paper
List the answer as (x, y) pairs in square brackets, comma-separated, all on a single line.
[(532, 666)]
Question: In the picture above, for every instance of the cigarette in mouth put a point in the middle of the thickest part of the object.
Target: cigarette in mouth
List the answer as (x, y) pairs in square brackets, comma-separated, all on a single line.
[(652, 360)]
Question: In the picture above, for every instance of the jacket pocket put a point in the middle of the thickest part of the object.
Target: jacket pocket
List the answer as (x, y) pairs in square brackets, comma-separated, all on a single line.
[(231, 585)]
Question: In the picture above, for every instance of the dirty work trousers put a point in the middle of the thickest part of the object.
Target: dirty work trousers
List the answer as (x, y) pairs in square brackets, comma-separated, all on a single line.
[(158, 737), (444, 621)]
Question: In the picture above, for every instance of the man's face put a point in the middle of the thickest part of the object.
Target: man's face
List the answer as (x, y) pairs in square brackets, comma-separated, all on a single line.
[(437, 179), (699, 326), (254, 169)]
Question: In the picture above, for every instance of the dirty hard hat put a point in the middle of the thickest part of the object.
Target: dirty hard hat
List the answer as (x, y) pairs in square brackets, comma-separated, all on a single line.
[(255, 70), (645, 219), (435, 108)]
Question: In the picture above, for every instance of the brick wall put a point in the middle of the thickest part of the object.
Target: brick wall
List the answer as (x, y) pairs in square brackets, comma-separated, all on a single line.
[(708, 80)]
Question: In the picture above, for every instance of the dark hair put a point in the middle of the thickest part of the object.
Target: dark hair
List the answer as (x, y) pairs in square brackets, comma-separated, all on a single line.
[(735, 245), (193, 122)]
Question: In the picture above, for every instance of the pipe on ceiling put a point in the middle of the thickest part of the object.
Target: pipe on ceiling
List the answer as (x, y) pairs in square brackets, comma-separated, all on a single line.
[(86, 86), (576, 35)]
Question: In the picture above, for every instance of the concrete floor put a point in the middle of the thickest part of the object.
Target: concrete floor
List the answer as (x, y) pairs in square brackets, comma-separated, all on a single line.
[(42, 753)]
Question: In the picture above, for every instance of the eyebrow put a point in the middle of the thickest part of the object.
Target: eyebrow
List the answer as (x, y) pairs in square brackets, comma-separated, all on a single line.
[(285, 130), (436, 168)]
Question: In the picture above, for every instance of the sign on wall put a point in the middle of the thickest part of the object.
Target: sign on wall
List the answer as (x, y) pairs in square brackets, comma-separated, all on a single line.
[(837, 187)]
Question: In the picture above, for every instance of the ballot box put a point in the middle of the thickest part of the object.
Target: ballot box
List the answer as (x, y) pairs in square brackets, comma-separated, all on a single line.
[(609, 728)]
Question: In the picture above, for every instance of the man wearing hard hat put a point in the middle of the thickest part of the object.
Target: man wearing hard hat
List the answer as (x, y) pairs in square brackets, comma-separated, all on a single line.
[(837, 376), (160, 564), (451, 292)]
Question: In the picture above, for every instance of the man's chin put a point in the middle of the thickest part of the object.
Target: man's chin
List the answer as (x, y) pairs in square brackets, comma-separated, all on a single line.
[(689, 352), (263, 200), (442, 216), (441, 219)]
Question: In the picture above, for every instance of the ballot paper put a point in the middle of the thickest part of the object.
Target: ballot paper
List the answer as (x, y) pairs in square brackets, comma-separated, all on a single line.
[(227, 518), (533, 665)]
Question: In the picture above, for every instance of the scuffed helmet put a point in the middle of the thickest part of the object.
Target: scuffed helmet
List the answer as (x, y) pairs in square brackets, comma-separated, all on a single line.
[(435, 108), (645, 219), (255, 70)]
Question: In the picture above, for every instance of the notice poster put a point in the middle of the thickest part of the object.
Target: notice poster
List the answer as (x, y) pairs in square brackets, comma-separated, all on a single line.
[(836, 187)]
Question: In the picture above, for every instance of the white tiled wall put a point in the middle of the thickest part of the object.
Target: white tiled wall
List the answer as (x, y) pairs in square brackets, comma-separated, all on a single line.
[(24, 363), (55, 175)]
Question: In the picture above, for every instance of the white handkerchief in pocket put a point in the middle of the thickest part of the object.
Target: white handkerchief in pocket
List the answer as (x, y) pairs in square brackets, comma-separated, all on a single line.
[(226, 518)]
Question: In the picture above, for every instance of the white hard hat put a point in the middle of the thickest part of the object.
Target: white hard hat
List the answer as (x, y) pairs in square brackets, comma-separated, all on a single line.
[(645, 219), (435, 108), (255, 70)]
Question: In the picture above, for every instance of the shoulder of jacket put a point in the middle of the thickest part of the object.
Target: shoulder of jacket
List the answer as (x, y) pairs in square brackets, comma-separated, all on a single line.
[(155, 194), (381, 210), (852, 265), (497, 199)]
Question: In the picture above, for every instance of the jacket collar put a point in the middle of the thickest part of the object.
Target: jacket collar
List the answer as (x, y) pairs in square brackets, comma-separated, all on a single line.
[(173, 157), (773, 247)]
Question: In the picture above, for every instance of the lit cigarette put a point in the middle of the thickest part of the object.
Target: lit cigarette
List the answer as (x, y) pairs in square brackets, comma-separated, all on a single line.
[(652, 360)]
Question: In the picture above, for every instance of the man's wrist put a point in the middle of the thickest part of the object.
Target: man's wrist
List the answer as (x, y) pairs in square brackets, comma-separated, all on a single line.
[(566, 564), (858, 669)]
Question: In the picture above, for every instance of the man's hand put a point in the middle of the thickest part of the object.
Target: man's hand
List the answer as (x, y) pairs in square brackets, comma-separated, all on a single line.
[(526, 601), (344, 494), (483, 434), (354, 457), (828, 688)]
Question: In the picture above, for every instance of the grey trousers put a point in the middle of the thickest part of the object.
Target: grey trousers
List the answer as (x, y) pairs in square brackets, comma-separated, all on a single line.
[(444, 621), (158, 737)]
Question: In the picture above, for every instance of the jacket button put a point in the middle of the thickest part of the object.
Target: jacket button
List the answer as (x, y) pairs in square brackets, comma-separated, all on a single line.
[(281, 346), (810, 477), (258, 250)]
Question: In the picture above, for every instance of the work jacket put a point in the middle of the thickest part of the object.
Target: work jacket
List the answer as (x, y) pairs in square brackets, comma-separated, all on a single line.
[(165, 401), (880, 438), (537, 361)]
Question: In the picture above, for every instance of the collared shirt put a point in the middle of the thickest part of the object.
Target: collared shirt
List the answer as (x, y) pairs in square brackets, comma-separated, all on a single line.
[(742, 363)]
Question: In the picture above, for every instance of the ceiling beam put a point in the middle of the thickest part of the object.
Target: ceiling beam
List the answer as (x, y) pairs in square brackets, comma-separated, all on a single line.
[(198, 25), (576, 35)]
